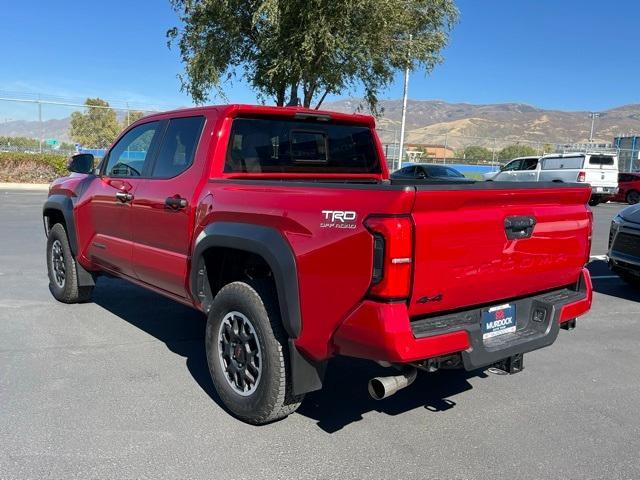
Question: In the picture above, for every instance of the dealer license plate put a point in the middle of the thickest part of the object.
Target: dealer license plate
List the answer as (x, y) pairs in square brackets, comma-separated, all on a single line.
[(498, 320)]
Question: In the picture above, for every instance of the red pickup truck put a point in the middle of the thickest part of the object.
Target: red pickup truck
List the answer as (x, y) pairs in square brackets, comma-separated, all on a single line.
[(283, 226)]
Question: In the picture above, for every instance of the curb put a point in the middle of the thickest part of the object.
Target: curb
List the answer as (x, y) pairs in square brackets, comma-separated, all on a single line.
[(24, 186)]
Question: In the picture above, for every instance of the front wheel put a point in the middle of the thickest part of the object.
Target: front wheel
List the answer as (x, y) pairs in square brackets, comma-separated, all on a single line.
[(633, 197), (247, 353), (61, 267)]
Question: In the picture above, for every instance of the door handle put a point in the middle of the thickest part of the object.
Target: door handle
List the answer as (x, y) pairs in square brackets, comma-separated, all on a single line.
[(176, 203), (519, 227), (124, 197)]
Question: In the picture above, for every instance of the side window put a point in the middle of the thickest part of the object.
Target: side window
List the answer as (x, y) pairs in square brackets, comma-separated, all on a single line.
[(178, 146), (561, 163), (529, 164), (515, 165), (128, 157)]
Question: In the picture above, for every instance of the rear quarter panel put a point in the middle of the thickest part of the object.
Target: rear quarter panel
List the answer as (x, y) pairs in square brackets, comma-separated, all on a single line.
[(334, 263)]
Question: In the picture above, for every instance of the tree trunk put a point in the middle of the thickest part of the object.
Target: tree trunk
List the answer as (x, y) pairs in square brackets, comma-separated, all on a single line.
[(324, 95), (293, 94), (280, 95), (309, 91)]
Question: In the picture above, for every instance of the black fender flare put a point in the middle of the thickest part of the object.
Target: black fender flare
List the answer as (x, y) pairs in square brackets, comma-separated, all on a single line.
[(64, 205), (264, 241), (268, 243)]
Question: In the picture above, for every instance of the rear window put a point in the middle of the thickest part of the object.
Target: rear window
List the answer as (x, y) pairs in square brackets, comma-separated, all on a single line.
[(260, 145), (601, 160), (560, 163), (438, 171)]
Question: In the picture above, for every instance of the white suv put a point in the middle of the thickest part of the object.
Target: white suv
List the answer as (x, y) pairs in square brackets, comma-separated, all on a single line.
[(600, 170)]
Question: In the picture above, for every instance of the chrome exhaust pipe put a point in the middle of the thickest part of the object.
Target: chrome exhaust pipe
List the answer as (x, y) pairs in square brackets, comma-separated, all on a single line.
[(383, 387)]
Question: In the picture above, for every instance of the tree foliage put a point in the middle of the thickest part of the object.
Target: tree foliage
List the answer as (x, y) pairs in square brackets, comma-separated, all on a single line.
[(477, 153), (318, 47), (97, 127), (131, 117), (514, 151)]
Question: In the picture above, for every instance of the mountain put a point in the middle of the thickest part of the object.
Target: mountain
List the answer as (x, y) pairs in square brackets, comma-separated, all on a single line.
[(55, 128), (428, 121)]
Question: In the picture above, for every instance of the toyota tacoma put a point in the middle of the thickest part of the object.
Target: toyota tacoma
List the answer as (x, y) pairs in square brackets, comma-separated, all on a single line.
[(283, 227)]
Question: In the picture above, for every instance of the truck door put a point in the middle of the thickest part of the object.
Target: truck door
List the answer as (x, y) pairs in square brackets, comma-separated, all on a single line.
[(508, 173), (105, 212), (163, 212), (529, 172)]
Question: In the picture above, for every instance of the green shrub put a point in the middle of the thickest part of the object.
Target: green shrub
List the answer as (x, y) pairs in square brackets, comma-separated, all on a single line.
[(31, 167)]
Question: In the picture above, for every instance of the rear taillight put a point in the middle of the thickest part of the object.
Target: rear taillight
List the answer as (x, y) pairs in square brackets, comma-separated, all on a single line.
[(392, 257), (589, 238), (582, 177)]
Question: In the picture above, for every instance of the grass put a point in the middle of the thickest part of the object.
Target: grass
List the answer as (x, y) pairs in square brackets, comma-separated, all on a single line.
[(473, 175)]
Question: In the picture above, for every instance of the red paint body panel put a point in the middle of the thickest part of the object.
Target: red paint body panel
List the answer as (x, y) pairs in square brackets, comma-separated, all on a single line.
[(381, 331), (627, 182), (576, 309), (460, 250)]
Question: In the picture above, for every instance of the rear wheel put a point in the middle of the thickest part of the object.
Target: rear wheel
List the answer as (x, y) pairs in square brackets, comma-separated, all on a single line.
[(247, 353), (593, 201), (633, 197), (61, 267)]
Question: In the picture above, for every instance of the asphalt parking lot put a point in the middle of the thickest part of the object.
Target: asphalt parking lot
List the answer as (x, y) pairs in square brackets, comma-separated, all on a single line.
[(119, 388)]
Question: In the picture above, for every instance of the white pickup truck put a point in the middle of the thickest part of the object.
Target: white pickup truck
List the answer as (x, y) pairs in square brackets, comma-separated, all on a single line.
[(600, 170)]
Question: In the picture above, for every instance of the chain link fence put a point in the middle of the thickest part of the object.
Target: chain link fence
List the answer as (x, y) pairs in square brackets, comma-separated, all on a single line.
[(30, 123), (33, 125), (490, 152)]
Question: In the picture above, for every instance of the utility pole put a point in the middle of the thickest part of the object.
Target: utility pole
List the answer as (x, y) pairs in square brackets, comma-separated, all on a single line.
[(593, 116), (40, 123), (404, 107)]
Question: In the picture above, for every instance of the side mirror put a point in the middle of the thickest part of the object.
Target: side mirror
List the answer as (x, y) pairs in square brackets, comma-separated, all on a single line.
[(81, 163)]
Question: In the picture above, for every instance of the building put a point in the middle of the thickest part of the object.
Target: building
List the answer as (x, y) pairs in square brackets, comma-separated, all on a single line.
[(432, 150), (628, 152)]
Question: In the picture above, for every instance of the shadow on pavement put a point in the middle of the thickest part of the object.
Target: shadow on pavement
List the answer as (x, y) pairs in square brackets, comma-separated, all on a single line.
[(344, 398), (614, 287), (181, 328)]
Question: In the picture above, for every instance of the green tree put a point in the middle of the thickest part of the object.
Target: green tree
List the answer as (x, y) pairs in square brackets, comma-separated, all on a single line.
[(131, 117), (97, 127), (477, 153), (320, 47), (514, 151)]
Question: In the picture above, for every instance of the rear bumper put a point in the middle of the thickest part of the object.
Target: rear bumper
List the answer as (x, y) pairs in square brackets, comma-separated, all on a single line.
[(604, 190), (384, 332)]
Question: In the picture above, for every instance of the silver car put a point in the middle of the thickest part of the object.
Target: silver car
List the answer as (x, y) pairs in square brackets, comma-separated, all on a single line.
[(624, 244)]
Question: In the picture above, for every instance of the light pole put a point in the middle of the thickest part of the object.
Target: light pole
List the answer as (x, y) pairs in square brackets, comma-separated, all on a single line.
[(404, 107), (593, 116)]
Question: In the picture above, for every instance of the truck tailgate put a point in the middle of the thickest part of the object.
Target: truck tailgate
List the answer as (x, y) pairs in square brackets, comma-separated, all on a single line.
[(463, 256)]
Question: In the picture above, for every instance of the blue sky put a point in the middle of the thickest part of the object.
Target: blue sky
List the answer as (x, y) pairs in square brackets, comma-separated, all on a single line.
[(565, 54)]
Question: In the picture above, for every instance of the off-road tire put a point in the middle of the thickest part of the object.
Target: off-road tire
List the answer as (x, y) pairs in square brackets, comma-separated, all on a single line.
[(68, 291), (272, 398)]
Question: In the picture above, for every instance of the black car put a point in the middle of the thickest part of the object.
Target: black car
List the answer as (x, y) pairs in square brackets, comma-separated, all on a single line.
[(624, 245), (429, 171)]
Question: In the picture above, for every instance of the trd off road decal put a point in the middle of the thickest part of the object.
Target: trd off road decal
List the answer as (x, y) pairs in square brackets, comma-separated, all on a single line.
[(338, 219)]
